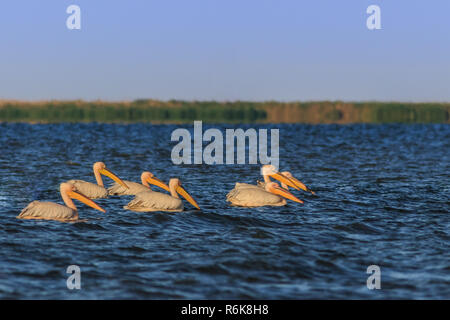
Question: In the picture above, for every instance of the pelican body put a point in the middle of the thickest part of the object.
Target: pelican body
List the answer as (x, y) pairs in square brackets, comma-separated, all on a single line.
[(268, 171), (134, 188), (96, 191), (150, 200), (54, 211), (247, 195)]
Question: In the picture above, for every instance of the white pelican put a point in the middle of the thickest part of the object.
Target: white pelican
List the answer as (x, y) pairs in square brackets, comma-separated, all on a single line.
[(54, 211), (287, 174), (134, 188), (156, 201), (95, 191), (245, 195)]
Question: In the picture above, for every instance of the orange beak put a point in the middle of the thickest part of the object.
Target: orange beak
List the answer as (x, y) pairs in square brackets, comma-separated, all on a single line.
[(286, 194), (186, 195), (287, 181), (81, 197), (109, 174), (301, 185), (155, 181)]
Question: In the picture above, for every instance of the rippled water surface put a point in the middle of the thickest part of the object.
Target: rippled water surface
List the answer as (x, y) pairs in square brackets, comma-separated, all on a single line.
[(382, 199)]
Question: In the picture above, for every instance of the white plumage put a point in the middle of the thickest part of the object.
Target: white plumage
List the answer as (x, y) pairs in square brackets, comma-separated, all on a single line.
[(133, 189), (148, 201), (90, 190), (54, 211), (48, 211), (96, 191), (156, 201), (248, 195)]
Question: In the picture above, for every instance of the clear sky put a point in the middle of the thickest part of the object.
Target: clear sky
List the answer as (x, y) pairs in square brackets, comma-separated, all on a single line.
[(225, 50)]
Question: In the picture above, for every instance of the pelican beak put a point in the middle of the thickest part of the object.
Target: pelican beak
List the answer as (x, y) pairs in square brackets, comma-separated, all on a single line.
[(301, 185), (80, 197), (286, 194), (155, 181), (109, 174), (287, 181), (186, 195)]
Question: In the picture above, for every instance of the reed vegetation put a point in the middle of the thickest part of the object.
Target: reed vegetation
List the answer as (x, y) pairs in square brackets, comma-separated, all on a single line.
[(175, 111)]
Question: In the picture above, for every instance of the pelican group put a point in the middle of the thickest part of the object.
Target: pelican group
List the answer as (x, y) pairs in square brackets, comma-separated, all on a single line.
[(267, 193)]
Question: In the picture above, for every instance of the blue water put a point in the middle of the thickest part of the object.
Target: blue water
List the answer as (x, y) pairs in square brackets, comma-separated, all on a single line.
[(382, 199)]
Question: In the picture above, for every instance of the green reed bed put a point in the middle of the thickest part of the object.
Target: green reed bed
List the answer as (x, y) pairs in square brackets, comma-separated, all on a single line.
[(130, 112), (414, 113), (175, 111)]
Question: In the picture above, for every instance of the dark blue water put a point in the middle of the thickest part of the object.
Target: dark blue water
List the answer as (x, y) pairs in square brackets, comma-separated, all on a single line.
[(383, 199)]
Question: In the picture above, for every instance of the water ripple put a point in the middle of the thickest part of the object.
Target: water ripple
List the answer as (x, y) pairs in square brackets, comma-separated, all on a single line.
[(382, 198)]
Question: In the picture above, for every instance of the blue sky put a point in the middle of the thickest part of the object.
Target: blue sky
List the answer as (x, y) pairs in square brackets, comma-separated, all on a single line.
[(225, 50)]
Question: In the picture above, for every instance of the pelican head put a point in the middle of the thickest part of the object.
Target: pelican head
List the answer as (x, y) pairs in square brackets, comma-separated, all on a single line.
[(100, 168), (68, 191), (274, 188), (175, 185), (269, 170), (148, 177)]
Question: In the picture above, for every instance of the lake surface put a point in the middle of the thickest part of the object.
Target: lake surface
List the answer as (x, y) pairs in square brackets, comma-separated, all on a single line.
[(383, 198)]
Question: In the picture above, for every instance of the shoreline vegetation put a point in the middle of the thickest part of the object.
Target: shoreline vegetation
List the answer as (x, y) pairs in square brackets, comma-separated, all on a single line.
[(177, 111)]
